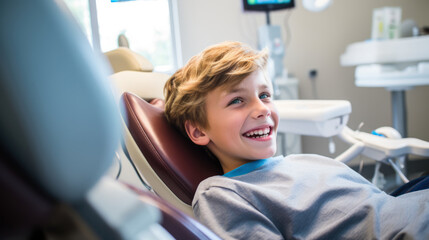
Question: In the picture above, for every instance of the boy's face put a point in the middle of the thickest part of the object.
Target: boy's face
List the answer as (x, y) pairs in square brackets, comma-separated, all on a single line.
[(242, 122)]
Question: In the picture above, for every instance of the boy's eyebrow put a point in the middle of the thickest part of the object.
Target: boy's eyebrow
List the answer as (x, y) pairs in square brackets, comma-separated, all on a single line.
[(235, 89), (242, 89)]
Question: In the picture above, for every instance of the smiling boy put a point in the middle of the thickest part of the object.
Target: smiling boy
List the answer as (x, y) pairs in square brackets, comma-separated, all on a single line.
[(222, 100), (242, 123)]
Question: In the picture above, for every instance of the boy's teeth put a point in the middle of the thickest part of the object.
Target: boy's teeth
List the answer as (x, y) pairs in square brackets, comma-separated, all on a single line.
[(258, 133)]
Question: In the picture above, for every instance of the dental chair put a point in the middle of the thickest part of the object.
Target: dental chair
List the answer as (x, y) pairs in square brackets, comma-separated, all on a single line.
[(171, 163), (60, 129), (135, 89), (164, 161)]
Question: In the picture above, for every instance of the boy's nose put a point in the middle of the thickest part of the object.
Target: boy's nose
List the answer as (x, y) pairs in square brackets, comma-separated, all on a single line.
[(261, 110)]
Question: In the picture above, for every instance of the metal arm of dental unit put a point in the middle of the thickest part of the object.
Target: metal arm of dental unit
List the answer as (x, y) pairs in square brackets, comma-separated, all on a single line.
[(327, 118), (381, 148)]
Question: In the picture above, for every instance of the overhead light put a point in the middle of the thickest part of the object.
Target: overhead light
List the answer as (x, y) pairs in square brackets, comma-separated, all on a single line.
[(316, 5)]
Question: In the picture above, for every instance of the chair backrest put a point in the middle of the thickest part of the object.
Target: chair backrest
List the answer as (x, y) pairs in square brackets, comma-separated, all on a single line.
[(169, 161)]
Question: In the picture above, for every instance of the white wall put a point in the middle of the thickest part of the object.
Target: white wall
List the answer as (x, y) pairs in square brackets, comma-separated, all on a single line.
[(316, 42)]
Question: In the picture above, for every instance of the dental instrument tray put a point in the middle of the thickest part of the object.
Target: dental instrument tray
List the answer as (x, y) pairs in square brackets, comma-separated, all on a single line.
[(401, 50), (397, 64), (324, 118)]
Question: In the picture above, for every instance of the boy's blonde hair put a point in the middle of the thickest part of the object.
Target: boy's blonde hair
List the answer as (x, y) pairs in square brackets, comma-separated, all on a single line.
[(223, 65)]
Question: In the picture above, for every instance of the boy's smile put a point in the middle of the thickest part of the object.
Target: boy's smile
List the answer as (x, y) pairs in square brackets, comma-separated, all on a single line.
[(242, 122), (260, 134)]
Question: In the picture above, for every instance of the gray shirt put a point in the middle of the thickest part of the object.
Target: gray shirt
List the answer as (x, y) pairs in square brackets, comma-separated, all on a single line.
[(306, 197)]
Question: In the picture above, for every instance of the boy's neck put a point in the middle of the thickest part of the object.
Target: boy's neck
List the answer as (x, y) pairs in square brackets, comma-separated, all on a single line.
[(231, 165)]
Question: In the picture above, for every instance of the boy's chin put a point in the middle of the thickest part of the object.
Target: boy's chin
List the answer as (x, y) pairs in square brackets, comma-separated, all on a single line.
[(267, 154)]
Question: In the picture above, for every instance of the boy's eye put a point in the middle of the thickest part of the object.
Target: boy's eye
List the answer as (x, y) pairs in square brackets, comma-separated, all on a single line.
[(235, 101), (264, 95)]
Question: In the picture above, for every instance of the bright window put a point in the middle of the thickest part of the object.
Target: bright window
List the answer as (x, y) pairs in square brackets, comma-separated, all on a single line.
[(147, 25)]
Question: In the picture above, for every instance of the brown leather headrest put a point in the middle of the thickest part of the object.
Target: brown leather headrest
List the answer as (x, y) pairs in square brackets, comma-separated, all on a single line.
[(180, 163)]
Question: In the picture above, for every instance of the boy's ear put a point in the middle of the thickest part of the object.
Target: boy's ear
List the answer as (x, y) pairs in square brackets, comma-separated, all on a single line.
[(197, 135)]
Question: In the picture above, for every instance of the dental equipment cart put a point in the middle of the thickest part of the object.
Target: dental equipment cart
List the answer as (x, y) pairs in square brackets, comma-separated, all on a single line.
[(397, 65)]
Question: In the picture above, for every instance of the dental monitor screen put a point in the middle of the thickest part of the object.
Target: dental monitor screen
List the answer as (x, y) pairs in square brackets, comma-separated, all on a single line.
[(267, 5)]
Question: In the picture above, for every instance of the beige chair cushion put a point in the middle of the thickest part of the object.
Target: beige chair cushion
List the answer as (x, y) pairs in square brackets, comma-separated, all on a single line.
[(147, 85), (122, 59)]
